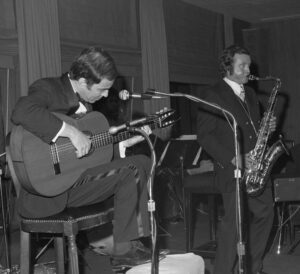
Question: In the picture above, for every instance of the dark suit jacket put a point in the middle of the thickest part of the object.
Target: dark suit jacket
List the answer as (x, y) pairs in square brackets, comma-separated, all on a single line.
[(216, 135), (33, 112), (47, 95)]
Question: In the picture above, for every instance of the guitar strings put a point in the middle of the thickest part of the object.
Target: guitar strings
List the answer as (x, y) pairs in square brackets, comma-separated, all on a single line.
[(66, 147), (98, 139)]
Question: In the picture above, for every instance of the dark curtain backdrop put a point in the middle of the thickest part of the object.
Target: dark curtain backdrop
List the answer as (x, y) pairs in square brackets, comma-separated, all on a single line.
[(9, 73), (38, 40), (195, 39), (276, 51), (186, 108)]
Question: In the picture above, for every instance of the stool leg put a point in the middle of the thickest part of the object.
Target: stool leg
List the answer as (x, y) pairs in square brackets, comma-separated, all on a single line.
[(187, 219), (73, 254), (213, 215), (59, 251), (25, 256)]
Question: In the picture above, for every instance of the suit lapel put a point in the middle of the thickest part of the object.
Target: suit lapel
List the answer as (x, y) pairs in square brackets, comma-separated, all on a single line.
[(232, 102)]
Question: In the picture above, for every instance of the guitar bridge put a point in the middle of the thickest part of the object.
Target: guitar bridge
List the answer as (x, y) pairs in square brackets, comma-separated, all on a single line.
[(57, 168)]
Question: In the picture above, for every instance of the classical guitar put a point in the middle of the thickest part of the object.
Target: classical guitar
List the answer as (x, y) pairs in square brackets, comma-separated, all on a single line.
[(51, 169)]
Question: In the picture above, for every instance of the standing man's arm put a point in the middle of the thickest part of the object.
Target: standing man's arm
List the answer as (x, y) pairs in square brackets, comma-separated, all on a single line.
[(208, 122)]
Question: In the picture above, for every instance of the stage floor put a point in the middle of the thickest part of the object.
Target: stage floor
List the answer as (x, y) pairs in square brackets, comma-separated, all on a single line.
[(171, 235)]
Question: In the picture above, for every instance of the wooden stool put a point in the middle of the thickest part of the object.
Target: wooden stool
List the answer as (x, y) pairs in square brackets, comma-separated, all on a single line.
[(64, 225)]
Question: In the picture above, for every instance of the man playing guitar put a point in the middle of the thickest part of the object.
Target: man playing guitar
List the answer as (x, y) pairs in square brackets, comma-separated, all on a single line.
[(91, 76)]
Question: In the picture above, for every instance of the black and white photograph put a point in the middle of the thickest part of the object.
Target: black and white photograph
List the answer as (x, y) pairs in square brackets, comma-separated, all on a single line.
[(149, 136)]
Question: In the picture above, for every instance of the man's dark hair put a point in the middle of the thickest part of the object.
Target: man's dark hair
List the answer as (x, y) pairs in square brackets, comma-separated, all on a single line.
[(93, 64), (226, 59)]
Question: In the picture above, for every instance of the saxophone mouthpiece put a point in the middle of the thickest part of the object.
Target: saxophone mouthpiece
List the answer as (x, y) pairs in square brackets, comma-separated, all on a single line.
[(267, 78), (252, 77)]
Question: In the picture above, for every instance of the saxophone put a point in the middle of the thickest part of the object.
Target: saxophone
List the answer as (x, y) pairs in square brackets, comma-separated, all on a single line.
[(262, 156)]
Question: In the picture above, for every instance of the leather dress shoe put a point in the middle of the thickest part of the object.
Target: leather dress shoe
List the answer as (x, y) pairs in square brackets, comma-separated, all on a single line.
[(100, 250), (139, 245), (132, 258)]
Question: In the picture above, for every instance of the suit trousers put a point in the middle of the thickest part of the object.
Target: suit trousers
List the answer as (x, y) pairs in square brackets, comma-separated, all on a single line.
[(257, 214), (125, 180)]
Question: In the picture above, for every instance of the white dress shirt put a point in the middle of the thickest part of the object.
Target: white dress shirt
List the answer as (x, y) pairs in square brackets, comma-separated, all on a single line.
[(238, 89)]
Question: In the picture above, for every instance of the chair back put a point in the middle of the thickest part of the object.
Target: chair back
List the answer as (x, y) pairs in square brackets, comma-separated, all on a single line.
[(11, 169)]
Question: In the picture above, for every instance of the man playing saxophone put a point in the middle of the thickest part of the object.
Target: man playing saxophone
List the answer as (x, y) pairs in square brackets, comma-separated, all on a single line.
[(215, 135)]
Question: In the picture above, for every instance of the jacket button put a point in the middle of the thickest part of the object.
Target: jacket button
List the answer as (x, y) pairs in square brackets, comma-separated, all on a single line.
[(250, 137)]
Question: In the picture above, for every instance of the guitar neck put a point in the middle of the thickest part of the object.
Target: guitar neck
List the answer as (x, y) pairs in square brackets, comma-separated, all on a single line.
[(105, 138)]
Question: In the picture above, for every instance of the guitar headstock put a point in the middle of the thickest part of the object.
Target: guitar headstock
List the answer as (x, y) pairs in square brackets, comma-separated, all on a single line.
[(165, 118)]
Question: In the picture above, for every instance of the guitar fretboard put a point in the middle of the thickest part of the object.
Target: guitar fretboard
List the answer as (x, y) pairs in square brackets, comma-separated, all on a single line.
[(105, 138)]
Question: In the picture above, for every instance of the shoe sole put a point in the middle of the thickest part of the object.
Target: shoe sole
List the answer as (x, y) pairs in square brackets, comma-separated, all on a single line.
[(100, 251), (120, 269)]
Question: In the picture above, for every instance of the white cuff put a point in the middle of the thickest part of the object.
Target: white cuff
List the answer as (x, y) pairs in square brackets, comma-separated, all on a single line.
[(59, 132), (122, 149)]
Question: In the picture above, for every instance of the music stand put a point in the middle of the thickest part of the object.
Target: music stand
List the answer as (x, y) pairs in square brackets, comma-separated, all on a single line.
[(183, 152), (180, 154)]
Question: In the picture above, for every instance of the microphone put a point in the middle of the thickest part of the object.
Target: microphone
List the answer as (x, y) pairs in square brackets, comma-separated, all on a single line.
[(126, 95), (116, 129)]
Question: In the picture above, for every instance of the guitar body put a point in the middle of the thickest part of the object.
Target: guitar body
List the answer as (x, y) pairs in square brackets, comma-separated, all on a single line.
[(40, 172)]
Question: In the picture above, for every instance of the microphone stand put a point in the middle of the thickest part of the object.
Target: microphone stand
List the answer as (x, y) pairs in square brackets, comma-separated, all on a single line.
[(151, 202), (237, 171)]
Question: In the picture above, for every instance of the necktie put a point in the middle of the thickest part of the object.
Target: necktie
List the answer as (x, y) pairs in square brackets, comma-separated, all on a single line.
[(242, 93)]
